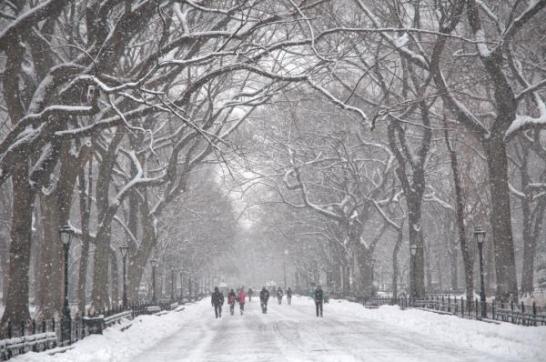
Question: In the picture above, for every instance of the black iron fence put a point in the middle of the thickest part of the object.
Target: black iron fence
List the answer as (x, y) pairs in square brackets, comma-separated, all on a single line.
[(516, 313), (46, 334)]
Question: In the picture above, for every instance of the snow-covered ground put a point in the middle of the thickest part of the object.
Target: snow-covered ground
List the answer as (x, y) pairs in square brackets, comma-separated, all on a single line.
[(348, 332)]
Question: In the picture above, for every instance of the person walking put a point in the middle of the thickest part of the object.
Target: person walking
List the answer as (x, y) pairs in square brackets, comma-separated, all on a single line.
[(250, 292), (217, 300), (280, 293), (231, 297), (319, 300), (264, 297), (289, 296), (242, 299)]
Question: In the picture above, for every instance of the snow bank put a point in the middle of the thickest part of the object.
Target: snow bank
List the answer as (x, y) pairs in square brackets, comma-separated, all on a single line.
[(508, 341), (115, 344)]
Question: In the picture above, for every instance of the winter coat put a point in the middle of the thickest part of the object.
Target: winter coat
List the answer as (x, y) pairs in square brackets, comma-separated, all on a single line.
[(264, 295), (289, 292), (242, 296), (231, 298), (279, 293), (319, 295), (217, 298)]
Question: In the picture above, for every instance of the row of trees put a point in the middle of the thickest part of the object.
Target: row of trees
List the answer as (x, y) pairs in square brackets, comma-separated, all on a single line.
[(456, 107), (108, 108), (358, 111)]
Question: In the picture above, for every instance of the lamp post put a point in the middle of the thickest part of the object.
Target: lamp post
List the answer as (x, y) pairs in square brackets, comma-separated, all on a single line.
[(153, 262), (172, 285), (284, 266), (123, 249), (479, 235), (374, 261), (413, 250), (189, 287), (65, 234)]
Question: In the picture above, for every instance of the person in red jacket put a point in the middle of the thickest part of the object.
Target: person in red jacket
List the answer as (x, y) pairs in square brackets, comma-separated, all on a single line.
[(231, 301), (242, 298)]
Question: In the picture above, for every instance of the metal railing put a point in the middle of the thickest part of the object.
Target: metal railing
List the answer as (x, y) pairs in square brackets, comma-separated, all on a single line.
[(40, 336), (528, 315)]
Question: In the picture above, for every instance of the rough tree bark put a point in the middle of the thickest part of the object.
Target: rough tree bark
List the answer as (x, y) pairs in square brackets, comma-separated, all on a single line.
[(17, 310)]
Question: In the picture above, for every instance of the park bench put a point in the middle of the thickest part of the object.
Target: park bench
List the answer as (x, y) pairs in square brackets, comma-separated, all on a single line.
[(19, 345)]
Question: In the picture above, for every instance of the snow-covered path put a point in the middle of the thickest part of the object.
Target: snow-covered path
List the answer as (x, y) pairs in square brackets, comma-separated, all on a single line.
[(348, 332), (293, 333)]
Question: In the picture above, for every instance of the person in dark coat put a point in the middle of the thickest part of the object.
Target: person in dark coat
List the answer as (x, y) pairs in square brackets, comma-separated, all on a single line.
[(264, 297), (217, 300), (249, 293), (289, 295), (319, 300)]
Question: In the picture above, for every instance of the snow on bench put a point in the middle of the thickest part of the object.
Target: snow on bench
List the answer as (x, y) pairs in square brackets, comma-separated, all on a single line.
[(116, 318), (153, 309)]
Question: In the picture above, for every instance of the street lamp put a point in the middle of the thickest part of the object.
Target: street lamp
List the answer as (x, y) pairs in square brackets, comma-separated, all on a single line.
[(374, 261), (284, 266), (123, 249), (479, 235), (413, 287), (189, 286), (65, 234), (181, 276), (172, 285), (153, 262)]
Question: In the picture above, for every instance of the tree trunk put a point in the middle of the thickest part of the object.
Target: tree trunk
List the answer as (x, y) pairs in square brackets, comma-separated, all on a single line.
[(85, 191), (115, 278), (50, 297), (417, 261), (428, 269), (529, 248), (395, 267), (468, 260), (100, 297), (453, 263), (138, 258), (501, 220), (363, 271), (17, 310)]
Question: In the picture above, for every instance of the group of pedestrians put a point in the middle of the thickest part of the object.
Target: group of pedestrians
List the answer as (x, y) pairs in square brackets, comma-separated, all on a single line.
[(217, 299)]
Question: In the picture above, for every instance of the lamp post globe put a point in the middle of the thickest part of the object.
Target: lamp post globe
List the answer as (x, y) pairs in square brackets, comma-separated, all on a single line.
[(65, 234)]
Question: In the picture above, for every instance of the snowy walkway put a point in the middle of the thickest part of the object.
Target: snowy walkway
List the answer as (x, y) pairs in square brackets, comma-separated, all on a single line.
[(348, 332)]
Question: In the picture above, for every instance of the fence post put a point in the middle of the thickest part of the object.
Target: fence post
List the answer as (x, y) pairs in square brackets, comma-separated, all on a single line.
[(462, 307), (449, 304), (476, 306), (23, 330), (493, 310), (34, 346), (512, 309), (534, 313)]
